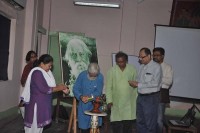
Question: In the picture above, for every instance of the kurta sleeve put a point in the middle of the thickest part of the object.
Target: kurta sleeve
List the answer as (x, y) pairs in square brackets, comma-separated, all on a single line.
[(109, 85), (167, 77)]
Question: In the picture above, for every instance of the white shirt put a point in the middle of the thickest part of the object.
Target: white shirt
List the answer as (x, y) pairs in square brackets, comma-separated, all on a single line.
[(149, 78), (167, 77)]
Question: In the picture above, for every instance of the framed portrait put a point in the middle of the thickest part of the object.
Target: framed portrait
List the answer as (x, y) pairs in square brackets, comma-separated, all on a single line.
[(76, 52), (185, 13), (72, 53)]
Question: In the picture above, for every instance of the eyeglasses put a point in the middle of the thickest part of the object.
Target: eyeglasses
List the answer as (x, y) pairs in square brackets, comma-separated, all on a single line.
[(141, 58)]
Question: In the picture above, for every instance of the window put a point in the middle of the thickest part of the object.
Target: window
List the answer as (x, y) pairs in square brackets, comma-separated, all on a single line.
[(4, 46)]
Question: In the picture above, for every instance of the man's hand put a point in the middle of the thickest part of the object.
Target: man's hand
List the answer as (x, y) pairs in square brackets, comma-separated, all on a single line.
[(84, 99), (109, 105), (134, 84)]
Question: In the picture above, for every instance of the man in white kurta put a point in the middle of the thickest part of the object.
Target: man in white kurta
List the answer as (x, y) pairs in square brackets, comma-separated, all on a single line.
[(167, 79)]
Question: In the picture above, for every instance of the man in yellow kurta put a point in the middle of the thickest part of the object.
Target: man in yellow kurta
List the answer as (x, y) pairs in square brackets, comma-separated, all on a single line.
[(120, 96)]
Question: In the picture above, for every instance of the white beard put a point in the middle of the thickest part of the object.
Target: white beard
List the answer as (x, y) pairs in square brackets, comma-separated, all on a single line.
[(77, 67)]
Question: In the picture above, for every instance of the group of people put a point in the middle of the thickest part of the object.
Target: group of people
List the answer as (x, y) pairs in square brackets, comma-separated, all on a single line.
[(153, 81), (132, 96)]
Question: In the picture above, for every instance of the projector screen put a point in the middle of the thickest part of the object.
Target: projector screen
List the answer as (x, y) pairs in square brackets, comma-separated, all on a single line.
[(182, 51)]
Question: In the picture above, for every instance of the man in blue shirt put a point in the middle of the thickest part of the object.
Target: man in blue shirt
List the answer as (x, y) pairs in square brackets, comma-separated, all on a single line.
[(88, 84)]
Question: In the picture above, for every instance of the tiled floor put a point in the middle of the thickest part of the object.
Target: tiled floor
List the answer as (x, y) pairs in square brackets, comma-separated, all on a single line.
[(14, 124)]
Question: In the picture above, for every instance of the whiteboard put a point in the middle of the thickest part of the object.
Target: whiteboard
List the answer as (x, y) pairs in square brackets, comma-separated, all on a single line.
[(182, 51), (132, 59)]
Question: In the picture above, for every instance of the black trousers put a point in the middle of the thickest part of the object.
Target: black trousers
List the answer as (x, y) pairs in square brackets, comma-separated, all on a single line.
[(85, 130), (125, 126)]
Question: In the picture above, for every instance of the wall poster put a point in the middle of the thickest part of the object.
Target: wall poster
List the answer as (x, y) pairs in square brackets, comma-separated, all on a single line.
[(75, 52)]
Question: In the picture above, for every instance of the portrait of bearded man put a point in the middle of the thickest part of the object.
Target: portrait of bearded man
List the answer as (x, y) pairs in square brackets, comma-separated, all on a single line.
[(77, 57)]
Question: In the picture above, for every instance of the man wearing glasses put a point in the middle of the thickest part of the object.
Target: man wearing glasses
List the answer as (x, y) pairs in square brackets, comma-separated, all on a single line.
[(167, 78), (148, 84)]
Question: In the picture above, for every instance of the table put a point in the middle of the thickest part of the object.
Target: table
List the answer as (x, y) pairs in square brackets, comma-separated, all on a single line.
[(94, 120), (192, 128)]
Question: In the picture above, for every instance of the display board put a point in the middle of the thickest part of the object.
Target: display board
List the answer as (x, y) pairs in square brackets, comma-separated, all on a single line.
[(182, 51)]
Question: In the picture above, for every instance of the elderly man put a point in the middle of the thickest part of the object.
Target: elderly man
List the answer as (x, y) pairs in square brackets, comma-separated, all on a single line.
[(78, 58), (148, 83), (88, 84)]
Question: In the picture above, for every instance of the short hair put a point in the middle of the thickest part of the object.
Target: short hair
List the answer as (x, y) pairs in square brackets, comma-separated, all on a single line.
[(45, 58), (28, 55), (74, 42), (93, 68), (147, 51), (121, 54), (160, 49)]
